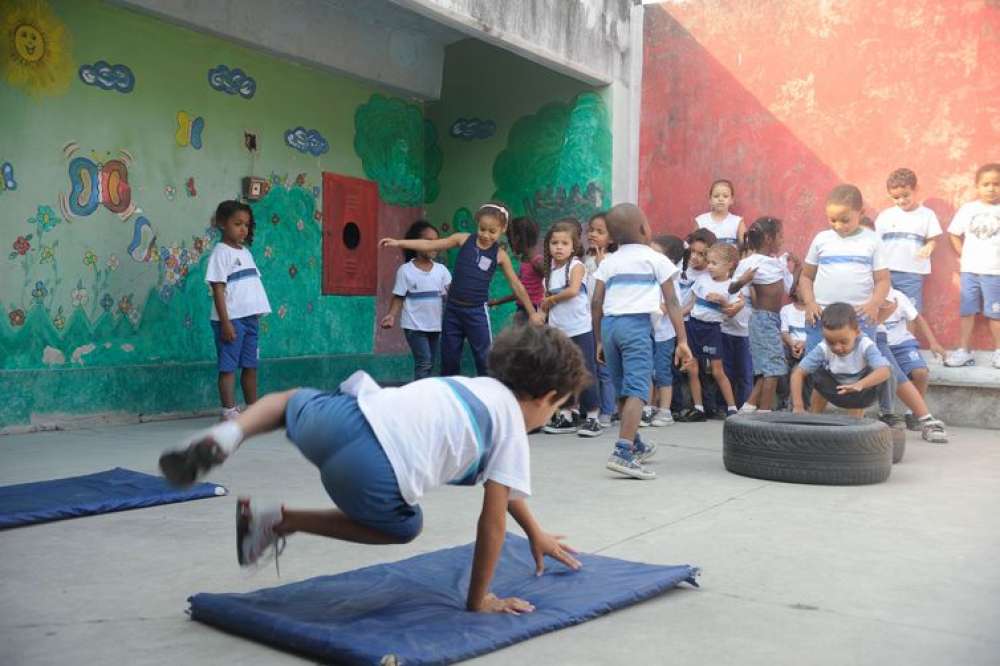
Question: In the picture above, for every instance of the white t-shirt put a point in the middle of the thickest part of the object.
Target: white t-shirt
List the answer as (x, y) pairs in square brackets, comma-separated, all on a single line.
[(236, 269), (422, 293), (572, 317), (895, 326), (848, 368), (793, 322), (979, 223), (727, 231), (447, 430), (685, 281), (663, 328), (903, 233), (739, 324), (705, 310), (632, 279), (590, 263), (845, 266), (769, 269)]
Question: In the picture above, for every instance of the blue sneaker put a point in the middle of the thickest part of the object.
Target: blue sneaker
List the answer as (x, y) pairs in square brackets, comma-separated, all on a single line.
[(624, 461), (643, 450)]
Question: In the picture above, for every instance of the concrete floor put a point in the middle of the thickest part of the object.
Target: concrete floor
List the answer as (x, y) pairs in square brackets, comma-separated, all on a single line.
[(899, 573)]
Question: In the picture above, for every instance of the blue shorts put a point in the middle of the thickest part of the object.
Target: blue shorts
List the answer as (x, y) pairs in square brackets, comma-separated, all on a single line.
[(332, 433), (628, 354), (882, 342), (911, 284), (766, 348), (241, 352), (980, 293), (705, 339), (908, 357), (663, 362)]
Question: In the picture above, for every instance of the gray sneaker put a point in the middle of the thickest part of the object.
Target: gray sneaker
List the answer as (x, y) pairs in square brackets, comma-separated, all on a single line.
[(590, 428), (647, 417), (933, 430), (662, 418), (643, 450), (624, 462)]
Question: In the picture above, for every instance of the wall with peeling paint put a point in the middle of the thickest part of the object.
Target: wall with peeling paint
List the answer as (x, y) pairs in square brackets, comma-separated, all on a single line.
[(789, 98)]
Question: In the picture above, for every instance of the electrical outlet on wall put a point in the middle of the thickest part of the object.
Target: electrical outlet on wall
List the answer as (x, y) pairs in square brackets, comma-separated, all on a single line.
[(251, 141)]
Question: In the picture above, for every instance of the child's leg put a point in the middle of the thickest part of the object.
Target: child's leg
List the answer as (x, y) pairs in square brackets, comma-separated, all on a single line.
[(817, 403), (631, 348), (248, 383), (480, 336), (452, 337), (920, 378), (588, 397), (724, 386), (965, 327), (665, 395), (227, 389), (856, 413), (694, 381), (423, 356), (249, 356), (768, 387), (331, 523), (434, 343), (606, 389)]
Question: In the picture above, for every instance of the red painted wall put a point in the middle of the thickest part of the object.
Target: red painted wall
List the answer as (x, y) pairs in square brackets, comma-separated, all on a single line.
[(787, 98)]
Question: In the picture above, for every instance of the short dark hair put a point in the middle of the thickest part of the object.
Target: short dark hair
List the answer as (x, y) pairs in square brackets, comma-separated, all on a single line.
[(703, 235), (672, 246), (760, 232), (227, 209), (989, 167), (846, 195), (523, 236), (415, 231), (533, 360), (624, 222), (901, 178), (839, 315)]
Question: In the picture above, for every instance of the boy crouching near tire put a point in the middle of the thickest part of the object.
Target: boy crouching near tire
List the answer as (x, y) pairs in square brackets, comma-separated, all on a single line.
[(846, 367)]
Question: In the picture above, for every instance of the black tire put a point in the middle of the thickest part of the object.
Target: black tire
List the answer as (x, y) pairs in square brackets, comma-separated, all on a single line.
[(820, 449), (898, 444)]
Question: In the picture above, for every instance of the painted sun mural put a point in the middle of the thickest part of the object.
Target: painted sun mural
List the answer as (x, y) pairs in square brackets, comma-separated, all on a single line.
[(36, 48)]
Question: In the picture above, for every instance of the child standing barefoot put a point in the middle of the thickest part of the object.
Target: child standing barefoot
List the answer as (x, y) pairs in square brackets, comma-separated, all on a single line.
[(238, 300), (421, 285), (728, 228), (379, 450)]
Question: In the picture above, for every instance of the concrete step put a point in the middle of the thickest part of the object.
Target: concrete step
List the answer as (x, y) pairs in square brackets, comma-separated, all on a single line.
[(967, 396)]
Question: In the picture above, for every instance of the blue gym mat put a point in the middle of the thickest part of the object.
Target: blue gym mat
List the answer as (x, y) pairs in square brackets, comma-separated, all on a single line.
[(414, 610), (116, 489)]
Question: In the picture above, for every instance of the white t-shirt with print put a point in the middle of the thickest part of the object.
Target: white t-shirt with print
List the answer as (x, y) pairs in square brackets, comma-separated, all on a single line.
[(703, 309), (235, 268), (727, 231), (739, 324), (845, 267), (793, 322), (979, 225), (423, 293), (632, 279), (903, 233), (447, 431), (848, 368), (895, 325), (572, 317)]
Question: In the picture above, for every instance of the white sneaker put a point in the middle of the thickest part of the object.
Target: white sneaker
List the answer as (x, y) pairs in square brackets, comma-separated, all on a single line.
[(996, 359), (662, 418), (255, 535), (961, 357), (747, 408), (230, 413), (626, 464)]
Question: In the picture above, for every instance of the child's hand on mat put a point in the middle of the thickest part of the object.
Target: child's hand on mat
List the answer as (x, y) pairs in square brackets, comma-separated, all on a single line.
[(388, 242), (388, 321), (550, 544), (813, 312), (850, 388), (228, 332), (494, 604)]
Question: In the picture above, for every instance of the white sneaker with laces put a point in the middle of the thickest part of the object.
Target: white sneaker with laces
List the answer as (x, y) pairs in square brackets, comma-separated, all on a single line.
[(662, 418), (747, 408), (625, 463), (960, 357), (255, 535)]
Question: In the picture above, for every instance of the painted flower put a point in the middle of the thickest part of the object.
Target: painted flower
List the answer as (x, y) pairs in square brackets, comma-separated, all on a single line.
[(80, 296), (22, 245), (268, 252), (184, 257), (275, 179), (125, 304), (282, 311), (154, 254), (318, 215), (293, 270), (184, 271), (265, 326), (48, 254), (133, 316), (89, 258), (198, 244), (171, 262), (59, 321), (170, 277), (45, 218), (166, 292), (107, 301), (16, 317), (275, 219), (113, 262), (300, 225), (40, 291)]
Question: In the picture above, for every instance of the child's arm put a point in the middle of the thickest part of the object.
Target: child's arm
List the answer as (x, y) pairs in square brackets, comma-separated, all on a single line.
[(956, 242), (882, 285), (806, 279), (925, 328), (572, 289), (596, 314), (736, 285), (424, 245), (519, 291), (389, 320), (873, 378), (682, 352), (219, 296), (489, 541), (741, 231), (795, 388), (928, 248), (509, 298), (542, 543)]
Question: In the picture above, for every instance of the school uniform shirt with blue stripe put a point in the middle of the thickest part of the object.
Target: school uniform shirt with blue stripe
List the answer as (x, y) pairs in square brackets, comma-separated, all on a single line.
[(632, 278), (663, 328), (704, 309), (447, 431), (422, 293), (727, 231), (793, 322), (845, 267), (848, 368), (235, 268), (903, 233), (572, 316)]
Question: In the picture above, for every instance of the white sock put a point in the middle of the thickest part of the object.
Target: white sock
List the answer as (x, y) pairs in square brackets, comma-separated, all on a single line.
[(762, 411), (592, 414), (731, 408), (566, 414), (700, 408), (228, 435)]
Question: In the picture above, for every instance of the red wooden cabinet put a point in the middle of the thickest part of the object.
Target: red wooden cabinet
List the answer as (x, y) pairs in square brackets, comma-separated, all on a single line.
[(350, 235)]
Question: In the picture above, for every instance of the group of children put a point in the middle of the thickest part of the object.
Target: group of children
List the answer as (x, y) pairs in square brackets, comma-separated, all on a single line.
[(612, 326)]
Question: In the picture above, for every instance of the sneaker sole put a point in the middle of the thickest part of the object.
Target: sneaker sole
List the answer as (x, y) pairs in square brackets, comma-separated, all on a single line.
[(559, 431), (936, 438), (588, 433), (631, 473), (961, 365), (182, 468)]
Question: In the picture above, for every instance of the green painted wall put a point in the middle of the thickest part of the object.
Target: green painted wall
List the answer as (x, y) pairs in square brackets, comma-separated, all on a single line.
[(80, 314)]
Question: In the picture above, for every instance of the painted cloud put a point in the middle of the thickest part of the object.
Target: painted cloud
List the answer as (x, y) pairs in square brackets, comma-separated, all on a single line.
[(108, 77), (232, 81), (306, 141)]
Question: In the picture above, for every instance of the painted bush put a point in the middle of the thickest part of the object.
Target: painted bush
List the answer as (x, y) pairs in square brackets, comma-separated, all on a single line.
[(398, 150)]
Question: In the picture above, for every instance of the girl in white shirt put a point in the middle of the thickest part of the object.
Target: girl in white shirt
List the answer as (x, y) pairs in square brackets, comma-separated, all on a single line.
[(599, 246), (728, 228)]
